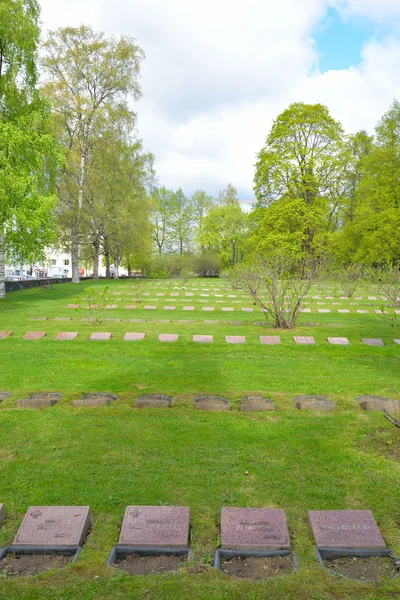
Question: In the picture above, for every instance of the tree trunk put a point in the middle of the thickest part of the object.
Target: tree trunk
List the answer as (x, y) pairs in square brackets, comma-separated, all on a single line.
[(2, 265), (77, 220), (96, 258), (75, 252), (107, 257), (116, 267)]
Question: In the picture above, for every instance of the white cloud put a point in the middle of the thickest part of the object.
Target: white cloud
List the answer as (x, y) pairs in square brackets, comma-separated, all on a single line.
[(218, 71)]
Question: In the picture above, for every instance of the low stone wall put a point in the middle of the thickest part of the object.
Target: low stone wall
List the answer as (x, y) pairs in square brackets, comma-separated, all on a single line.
[(15, 286)]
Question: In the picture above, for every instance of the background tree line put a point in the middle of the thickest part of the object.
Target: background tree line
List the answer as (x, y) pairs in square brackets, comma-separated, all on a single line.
[(74, 173)]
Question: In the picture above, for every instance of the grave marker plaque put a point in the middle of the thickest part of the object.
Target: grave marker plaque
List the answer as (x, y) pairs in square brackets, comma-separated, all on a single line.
[(95, 399), (313, 403), (67, 335), (204, 339), (4, 334), (372, 342), (308, 340), (338, 341), (54, 526), (270, 339), (100, 336), (34, 335), (156, 526), (235, 339), (168, 337), (132, 337), (212, 403), (345, 529), (153, 401), (254, 529), (256, 404)]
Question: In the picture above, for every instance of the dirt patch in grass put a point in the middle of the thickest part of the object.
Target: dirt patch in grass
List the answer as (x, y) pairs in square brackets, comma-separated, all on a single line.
[(383, 441), (255, 567), (371, 569), (145, 565), (14, 565)]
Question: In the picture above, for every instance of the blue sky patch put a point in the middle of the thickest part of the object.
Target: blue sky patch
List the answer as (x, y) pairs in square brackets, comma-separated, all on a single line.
[(339, 42)]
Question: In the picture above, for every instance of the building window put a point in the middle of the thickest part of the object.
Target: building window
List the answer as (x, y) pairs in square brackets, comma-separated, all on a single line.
[(66, 263), (65, 251), (53, 262)]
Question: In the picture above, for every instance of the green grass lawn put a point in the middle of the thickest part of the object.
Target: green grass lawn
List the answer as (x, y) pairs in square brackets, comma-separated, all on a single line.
[(114, 456)]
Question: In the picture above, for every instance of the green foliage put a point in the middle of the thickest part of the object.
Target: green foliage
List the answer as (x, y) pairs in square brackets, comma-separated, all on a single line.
[(96, 302), (278, 286), (29, 155), (300, 180), (224, 231)]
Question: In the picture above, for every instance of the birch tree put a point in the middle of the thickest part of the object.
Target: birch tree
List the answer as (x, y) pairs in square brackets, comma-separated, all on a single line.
[(87, 76), (28, 153)]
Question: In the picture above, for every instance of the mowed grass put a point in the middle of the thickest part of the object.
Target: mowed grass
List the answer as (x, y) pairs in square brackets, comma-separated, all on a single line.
[(114, 456)]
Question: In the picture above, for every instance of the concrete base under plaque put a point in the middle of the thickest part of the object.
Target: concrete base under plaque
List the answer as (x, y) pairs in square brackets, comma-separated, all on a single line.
[(100, 399), (119, 553), (229, 554), (378, 403), (313, 403), (327, 554), (39, 400), (212, 403), (72, 551), (153, 401), (256, 404)]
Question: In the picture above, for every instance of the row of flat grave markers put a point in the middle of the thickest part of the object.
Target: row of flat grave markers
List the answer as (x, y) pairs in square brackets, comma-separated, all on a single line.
[(149, 531), (132, 336), (206, 403)]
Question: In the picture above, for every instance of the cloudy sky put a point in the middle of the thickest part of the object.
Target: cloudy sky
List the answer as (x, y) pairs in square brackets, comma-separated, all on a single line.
[(217, 72)]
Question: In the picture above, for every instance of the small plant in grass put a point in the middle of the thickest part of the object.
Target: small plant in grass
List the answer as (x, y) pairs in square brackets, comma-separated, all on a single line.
[(186, 275), (393, 414), (387, 283), (350, 277), (96, 302), (278, 286), (137, 290)]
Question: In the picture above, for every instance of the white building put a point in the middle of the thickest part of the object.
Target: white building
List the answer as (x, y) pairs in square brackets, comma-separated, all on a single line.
[(56, 264)]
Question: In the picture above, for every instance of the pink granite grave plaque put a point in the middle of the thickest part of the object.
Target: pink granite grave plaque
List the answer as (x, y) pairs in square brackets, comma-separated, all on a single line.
[(304, 340), (345, 529), (66, 335), (54, 526), (203, 338), (235, 339), (156, 526), (34, 335), (169, 307), (100, 336), (270, 340), (372, 342), (168, 337), (188, 308), (339, 341), (133, 337), (254, 529), (4, 334), (73, 306)]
